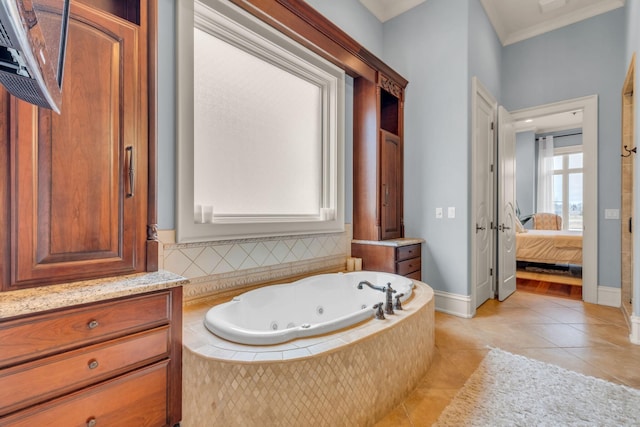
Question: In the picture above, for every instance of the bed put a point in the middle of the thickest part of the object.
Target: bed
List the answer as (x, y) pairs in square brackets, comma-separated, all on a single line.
[(549, 246)]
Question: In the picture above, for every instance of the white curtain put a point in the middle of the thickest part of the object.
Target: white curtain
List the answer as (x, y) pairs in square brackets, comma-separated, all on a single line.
[(545, 175)]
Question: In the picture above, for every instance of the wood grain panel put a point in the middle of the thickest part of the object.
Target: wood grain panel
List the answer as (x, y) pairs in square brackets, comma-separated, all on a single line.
[(391, 185), (40, 335), (82, 223), (137, 399), (35, 382)]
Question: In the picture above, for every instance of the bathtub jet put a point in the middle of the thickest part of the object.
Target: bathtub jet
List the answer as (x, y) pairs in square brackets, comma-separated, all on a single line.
[(311, 306)]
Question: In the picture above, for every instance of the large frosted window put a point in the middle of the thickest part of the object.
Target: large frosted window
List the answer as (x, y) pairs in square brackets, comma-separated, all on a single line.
[(260, 128), (257, 134)]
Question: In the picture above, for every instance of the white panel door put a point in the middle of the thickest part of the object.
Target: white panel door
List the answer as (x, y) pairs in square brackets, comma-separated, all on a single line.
[(483, 236), (506, 205)]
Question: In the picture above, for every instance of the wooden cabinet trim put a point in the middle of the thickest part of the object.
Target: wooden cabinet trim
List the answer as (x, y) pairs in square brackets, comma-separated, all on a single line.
[(298, 20), (35, 382), (407, 252), (408, 266), (135, 399), (40, 335)]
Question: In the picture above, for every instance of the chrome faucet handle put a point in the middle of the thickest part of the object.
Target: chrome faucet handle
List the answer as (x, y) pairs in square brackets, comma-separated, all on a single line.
[(398, 305), (379, 312)]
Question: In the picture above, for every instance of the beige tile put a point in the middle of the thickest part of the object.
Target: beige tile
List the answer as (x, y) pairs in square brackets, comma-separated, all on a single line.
[(563, 335), (396, 418), (586, 338), (425, 406)]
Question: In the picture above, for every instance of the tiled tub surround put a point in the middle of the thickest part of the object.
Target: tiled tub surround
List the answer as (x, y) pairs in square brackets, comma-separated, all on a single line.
[(34, 300), (231, 264), (351, 377)]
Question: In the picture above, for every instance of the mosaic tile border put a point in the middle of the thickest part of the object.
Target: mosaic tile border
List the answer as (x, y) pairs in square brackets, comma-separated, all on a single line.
[(203, 287), (353, 384), (223, 265)]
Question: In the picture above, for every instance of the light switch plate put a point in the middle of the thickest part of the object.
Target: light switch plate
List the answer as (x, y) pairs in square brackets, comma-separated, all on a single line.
[(439, 213), (611, 214), (451, 213)]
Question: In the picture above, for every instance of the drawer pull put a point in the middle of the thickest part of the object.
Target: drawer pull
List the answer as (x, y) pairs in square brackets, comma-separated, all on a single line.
[(93, 364), (92, 422), (93, 324)]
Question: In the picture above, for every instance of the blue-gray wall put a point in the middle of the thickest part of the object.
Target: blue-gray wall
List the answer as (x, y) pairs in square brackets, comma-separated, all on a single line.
[(166, 115), (428, 45), (526, 173), (439, 46), (582, 59), (354, 19)]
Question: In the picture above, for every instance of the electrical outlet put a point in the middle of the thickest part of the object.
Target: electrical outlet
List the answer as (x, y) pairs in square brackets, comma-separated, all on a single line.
[(451, 213)]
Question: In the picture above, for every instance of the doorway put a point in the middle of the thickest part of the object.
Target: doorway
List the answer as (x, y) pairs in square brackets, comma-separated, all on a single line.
[(589, 107), (492, 199), (550, 186)]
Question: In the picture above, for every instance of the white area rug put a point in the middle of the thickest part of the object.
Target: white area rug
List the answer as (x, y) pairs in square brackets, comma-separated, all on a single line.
[(512, 390)]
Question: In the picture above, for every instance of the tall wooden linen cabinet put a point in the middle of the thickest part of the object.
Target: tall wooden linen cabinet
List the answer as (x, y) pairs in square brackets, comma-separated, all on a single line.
[(75, 184), (78, 203), (378, 184)]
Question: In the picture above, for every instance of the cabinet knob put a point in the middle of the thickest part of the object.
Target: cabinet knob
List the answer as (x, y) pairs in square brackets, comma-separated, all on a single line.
[(92, 422), (93, 324), (93, 364)]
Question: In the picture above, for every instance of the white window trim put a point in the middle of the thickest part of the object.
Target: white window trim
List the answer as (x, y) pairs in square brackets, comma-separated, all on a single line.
[(233, 24), (565, 172)]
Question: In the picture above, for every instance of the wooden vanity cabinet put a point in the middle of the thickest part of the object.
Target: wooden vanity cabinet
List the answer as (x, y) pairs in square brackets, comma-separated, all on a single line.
[(77, 183), (391, 257), (114, 363), (378, 179), (378, 159)]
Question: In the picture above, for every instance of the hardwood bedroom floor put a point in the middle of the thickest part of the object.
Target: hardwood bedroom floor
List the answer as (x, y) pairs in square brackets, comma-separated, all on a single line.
[(547, 286), (587, 338)]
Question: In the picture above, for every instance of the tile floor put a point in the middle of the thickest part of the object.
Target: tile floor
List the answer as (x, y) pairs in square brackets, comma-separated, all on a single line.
[(587, 338)]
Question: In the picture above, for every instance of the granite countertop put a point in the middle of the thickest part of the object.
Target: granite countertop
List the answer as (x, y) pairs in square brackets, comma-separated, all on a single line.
[(404, 241), (33, 300)]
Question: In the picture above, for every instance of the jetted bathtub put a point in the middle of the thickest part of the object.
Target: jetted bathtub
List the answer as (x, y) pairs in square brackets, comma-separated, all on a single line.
[(311, 306)]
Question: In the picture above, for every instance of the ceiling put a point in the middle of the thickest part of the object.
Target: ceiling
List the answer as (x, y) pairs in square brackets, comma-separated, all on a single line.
[(551, 123), (513, 21)]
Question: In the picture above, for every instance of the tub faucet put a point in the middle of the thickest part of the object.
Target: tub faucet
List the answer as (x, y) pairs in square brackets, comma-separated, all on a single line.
[(379, 312), (372, 286), (398, 305), (388, 307)]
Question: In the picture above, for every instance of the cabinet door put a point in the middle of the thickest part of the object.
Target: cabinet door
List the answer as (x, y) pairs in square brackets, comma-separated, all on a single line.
[(79, 178), (391, 185)]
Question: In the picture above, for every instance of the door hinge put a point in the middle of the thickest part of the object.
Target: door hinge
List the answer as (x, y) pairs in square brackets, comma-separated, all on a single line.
[(491, 125), (492, 225), (491, 168), (491, 272)]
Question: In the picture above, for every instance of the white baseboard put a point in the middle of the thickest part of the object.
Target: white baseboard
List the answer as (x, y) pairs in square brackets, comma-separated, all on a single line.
[(457, 305), (609, 296), (634, 337)]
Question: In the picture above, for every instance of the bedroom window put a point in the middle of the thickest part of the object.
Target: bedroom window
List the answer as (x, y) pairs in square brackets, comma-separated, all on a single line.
[(567, 186)]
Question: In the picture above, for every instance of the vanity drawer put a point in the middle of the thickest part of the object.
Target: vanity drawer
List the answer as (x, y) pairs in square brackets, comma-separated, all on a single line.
[(407, 252), (408, 266), (35, 382), (416, 275), (137, 399), (41, 335)]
